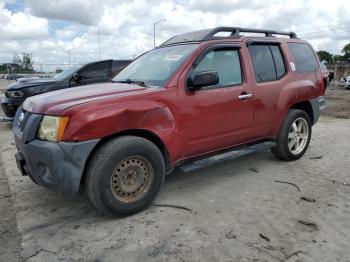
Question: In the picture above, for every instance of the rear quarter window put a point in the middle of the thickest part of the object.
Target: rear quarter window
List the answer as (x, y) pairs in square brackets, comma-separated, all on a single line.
[(304, 58)]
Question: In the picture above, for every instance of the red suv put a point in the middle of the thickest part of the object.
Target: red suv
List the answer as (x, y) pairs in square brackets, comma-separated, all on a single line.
[(197, 95)]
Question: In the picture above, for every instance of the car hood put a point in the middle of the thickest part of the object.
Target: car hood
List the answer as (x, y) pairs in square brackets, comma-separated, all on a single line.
[(30, 82), (55, 102)]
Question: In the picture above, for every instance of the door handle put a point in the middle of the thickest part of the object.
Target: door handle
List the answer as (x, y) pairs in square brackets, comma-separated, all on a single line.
[(245, 96)]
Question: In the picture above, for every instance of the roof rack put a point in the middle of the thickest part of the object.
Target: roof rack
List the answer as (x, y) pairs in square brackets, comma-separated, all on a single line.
[(209, 34)]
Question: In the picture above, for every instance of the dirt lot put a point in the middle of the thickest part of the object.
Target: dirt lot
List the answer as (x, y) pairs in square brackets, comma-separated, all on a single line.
[(338, 102), (233, 211)]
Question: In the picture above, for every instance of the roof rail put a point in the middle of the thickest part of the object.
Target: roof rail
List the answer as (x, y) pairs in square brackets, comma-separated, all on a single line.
[(208, 34)]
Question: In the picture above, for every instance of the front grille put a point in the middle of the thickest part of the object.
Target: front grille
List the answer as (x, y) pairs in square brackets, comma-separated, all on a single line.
[(26, 125)]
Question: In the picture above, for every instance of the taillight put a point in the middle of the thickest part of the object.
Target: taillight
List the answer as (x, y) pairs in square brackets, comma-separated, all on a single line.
[(323, 90)]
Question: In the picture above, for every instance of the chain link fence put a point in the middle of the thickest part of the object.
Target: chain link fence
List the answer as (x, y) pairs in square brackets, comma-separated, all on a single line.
[(11, 72)]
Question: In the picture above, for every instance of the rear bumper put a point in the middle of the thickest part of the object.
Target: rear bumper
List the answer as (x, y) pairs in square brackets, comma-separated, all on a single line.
[(58, 166), (318, 105), (8, 107)]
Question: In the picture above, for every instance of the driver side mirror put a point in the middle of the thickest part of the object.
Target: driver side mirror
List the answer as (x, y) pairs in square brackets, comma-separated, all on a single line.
[(202, 79)]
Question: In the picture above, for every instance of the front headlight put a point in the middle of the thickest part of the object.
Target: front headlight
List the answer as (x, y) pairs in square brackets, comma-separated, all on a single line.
[(52, 128), (15, 94)]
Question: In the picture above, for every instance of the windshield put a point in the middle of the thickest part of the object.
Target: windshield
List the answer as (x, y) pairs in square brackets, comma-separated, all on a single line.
[(156, 66), (68, 72)]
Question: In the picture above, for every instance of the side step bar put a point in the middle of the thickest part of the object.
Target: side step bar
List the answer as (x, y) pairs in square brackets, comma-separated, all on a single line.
[(236, 153)]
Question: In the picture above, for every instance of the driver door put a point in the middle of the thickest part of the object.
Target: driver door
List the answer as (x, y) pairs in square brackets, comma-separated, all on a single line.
[(220, 115)]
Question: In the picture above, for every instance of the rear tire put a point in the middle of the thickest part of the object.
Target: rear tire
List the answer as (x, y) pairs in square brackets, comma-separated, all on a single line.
[(124, 175), (294, 136)]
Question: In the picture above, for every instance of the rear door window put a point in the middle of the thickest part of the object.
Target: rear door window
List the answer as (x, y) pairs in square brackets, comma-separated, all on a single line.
[(279, 63), (264, 68), (304, 58), (267, 62)]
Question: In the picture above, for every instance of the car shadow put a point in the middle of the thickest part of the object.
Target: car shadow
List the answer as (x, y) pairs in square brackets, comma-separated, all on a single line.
[(77, 207)]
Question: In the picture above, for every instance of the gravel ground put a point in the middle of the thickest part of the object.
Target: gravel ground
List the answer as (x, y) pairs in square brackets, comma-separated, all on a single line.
[(233, 211)]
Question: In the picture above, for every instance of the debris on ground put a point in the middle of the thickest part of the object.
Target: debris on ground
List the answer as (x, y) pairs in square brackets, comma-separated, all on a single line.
[(38, 252), (289, 183), (173, 206), (316, 157), (309, 224), (253, 169), (231, 235), (340, 183), (308, 199), (293, 254), (264, 237)]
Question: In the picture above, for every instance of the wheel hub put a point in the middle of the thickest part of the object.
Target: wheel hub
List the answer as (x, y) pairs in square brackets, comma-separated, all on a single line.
[(131, 178), (298, 136)]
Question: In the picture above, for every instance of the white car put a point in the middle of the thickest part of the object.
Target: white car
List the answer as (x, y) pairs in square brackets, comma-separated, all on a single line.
[(345, 82)]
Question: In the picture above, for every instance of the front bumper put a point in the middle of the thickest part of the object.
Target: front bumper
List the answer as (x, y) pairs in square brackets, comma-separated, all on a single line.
[(8, 107), (318, 105), (58, 166)]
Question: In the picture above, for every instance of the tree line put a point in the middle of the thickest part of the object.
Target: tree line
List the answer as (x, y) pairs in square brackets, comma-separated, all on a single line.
[(330, 58), (21, 63)]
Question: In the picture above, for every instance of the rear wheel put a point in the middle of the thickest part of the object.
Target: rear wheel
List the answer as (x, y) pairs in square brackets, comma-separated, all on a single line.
[(294, 136), (124, 175)]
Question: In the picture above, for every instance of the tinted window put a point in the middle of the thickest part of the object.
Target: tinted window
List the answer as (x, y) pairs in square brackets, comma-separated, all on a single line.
[(304, 57), (279, 64), (264, 67), (117, 66), (226, 63), (98, 70)]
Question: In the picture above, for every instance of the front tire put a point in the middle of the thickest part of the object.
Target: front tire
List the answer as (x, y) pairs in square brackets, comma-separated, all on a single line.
[(294, 136), (124, 175)]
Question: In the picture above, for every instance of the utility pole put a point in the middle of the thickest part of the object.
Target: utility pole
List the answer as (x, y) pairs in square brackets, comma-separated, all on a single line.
[(99, 39), (98, 32), (154, 30), (68, 58)]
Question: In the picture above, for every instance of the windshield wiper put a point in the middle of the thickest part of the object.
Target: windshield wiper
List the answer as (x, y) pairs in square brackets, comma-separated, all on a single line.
[(129, 81)]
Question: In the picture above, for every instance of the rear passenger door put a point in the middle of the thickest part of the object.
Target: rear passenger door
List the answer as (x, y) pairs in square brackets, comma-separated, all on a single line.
[(270, 71)]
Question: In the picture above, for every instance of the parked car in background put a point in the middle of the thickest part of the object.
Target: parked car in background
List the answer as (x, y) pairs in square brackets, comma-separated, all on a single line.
[(78, 75), (345, 82), (326, 76), (195, 96)]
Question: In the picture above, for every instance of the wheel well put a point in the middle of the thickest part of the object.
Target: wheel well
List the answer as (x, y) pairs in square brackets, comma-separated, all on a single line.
[(305, 106), (146, 135)]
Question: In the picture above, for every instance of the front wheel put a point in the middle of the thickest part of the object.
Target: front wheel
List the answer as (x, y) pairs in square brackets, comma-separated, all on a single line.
[(124, 175), (294, 136)]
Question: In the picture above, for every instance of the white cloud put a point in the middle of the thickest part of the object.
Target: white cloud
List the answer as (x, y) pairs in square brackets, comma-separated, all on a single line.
[(126, 26), (21, 25), (81, 11)]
